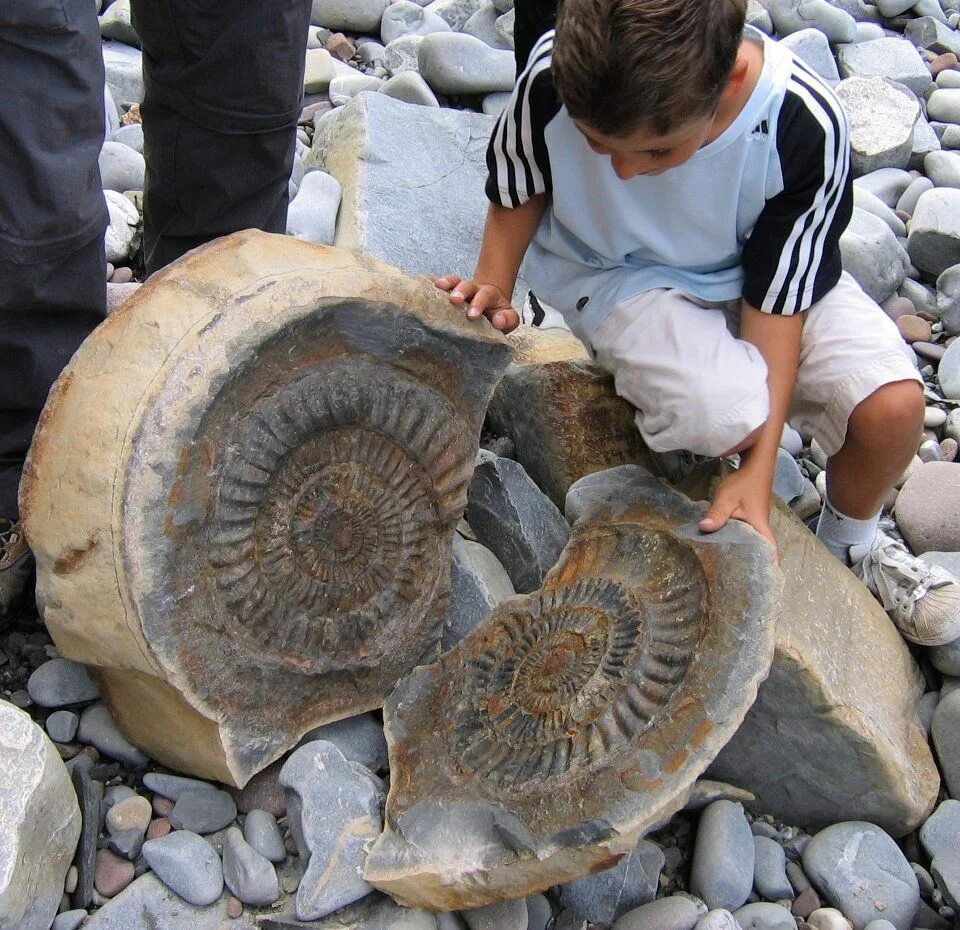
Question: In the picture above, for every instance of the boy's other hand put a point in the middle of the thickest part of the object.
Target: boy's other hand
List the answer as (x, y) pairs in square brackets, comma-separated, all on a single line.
[(481, 300), (743, 495)]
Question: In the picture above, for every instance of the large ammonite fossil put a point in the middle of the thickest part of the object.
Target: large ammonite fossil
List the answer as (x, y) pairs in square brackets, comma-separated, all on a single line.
[(243, 493), (576, 718)]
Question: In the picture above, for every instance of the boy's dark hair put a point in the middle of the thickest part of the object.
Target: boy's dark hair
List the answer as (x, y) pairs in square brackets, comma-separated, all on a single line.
[(618, 65)]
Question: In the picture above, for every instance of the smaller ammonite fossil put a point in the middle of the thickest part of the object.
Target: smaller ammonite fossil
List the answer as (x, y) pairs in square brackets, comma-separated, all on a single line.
[(244, 490), (575, 718)]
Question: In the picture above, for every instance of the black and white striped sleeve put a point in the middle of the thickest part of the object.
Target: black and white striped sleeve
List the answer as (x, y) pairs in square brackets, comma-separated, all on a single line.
[(518, 163), (792, 258)]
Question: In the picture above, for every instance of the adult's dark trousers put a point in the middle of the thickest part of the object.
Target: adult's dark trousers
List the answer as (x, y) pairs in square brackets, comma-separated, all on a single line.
[(52, 212), (223, 90)]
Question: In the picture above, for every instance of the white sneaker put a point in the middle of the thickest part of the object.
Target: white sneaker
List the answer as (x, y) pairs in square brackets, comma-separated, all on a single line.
[(922, 600)]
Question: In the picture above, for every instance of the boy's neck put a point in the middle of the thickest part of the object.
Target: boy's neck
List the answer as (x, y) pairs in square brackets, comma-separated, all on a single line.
[(743, 80)]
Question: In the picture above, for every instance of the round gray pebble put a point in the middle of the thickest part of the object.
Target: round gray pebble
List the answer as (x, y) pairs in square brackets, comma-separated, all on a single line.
[(261, 831), (59, 682), (188, 865), (250, 876), (764, 916), (770, 870), (673, 913), (203, 810), (862, 872), (62, 726), (718, 919), (723, 857)]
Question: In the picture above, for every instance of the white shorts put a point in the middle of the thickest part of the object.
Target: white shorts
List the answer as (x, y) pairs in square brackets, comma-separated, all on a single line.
[(698, 387)]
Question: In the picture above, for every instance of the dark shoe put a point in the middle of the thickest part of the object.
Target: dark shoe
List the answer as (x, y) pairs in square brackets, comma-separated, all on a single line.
[(16, 563)]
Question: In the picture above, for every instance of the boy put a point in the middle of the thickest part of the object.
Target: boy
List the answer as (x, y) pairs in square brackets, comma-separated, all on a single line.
[(671, 175)]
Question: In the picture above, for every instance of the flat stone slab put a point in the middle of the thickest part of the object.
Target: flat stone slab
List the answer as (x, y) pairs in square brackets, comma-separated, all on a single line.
[(576, 718), (277, 443)]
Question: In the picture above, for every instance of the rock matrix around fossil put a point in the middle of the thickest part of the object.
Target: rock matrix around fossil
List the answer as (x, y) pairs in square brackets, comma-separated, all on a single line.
[(573, 719), (276, 444)]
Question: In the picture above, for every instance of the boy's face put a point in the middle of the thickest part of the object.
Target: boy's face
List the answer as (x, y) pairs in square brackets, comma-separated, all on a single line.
[(643, 152)]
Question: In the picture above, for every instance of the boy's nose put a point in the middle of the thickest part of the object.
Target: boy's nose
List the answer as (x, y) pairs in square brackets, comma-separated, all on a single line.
[(626, 168)]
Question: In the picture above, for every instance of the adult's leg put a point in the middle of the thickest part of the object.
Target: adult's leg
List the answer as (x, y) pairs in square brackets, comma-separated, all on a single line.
[(224, 84), (52, 214)]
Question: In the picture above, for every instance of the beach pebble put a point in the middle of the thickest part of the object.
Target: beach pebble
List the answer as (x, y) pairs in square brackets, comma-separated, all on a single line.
[(723, 857), (454, 63), (248, 874), (862, 872), (187, 864)]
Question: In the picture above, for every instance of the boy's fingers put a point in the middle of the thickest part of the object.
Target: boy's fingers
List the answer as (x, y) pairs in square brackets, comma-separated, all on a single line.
[(505, 320), (717, 516), (447, 282)]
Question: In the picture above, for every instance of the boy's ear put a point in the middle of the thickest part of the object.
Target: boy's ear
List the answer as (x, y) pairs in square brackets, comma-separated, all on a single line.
[(738, 75)]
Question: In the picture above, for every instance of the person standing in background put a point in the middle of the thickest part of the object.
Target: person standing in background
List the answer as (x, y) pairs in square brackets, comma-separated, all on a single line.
[(223, 90)]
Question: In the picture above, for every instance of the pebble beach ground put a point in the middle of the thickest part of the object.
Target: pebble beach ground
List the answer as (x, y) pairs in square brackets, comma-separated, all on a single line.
[(157, 850)]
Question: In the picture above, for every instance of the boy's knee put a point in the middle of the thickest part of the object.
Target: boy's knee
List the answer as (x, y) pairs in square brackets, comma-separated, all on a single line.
[(892, 410)]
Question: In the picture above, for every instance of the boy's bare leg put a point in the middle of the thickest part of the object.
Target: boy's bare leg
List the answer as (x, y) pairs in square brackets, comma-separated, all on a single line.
[(882, 438)]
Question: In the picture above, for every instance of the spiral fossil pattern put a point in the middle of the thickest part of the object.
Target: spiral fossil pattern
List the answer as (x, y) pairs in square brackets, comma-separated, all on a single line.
[(331, 506), (568, 677)]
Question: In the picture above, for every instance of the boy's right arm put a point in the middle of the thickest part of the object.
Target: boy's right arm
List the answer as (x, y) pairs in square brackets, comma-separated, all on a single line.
[(506, 237)]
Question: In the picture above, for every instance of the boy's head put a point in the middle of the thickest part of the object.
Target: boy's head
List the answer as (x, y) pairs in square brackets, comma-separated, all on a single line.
[(647, 73)]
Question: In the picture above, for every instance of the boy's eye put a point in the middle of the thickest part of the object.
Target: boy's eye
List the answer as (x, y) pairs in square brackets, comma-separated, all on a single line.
[(659, 153)]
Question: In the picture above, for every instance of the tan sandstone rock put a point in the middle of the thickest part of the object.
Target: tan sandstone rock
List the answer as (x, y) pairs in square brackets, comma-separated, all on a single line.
[(574, 719), (835, 733), (562, 412), (243, 490)]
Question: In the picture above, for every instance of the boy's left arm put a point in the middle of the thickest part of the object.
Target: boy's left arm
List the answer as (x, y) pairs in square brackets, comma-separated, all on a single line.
[(745, 495)]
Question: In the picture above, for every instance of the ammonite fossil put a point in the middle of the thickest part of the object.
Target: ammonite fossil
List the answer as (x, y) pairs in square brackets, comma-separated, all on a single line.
[(574, 719), (243, 493)]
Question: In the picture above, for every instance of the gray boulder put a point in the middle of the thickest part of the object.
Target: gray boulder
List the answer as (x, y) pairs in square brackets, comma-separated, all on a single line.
[(404, 18), (123, 70), (943, 168), (455, 12), (478, 583), (605, 896), (934, 240), (945, 734), (770, 870), (948, 299), (333, 807), (513, 518), (676, 912), (929, 33), (121, 228), (812, 47), (410, 87), (261, 831), (861, 871), (39, 823), (359, 738), (394, 162), (764, 916), (146, 903), (312, 214), (121, 168), (348, 15), (882, 117), (402, 55), (793, 15), (872, 254), (455, 63), (895, 59), (116, 23), (483, 26)]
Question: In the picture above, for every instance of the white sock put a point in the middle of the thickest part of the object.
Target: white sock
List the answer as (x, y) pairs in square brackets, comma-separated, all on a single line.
[(838, 532)]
